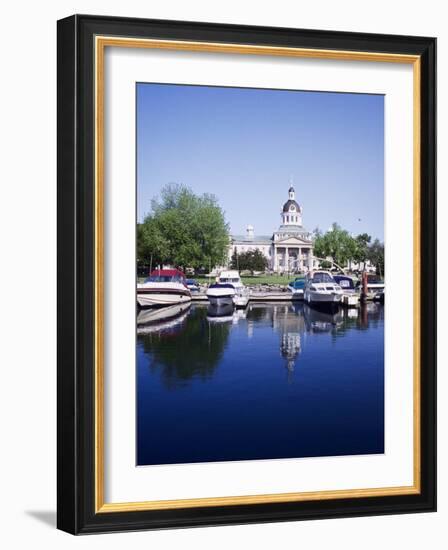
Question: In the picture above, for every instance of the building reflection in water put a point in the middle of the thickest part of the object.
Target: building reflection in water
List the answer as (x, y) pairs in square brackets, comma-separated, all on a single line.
[(189, 342), (260, 383)]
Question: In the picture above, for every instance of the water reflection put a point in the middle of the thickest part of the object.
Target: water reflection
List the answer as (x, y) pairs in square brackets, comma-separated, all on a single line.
[(184, 342), (161, 319), (183, 348), (274, 380)]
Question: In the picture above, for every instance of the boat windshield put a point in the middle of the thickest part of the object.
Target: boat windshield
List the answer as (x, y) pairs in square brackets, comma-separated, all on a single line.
[(298, 283), (164, 279), (344, 282), (229, 280), (322, 278)]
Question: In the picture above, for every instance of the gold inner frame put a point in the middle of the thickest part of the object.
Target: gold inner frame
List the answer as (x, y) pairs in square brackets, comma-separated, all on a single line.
[(101, 42)]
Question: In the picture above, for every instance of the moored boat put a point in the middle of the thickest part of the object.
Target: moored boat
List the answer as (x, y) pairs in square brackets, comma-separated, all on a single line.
[(321, 288), (164, 287), (193, 286), (350, 294), (374, 288), (297, 287), (221, 294), (241, 296)]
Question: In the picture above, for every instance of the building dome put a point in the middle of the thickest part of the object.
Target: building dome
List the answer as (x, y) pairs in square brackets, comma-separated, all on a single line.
[(289, 203), (291, 212)]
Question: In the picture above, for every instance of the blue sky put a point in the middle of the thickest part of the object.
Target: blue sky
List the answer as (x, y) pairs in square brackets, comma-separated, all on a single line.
[(243, 145)]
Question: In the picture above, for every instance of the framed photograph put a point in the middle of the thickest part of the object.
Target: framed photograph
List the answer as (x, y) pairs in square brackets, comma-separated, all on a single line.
[(246, 274)]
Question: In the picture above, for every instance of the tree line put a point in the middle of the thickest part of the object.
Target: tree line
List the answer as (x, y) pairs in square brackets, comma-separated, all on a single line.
[(345, 249), (251, 260), (188, 230)]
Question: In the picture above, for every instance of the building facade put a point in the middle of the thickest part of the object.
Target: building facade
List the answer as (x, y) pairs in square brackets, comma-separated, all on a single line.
[(289, 249)]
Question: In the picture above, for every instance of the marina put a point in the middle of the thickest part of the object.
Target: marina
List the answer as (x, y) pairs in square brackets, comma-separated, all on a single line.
[(260, 301)]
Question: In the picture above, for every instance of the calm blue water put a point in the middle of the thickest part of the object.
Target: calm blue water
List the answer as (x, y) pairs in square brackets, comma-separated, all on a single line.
[(275, 381)]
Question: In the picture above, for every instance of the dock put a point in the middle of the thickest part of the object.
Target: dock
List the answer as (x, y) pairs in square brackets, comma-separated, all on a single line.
[(258, 297), (199, 297), (272, 296), (275, 297)]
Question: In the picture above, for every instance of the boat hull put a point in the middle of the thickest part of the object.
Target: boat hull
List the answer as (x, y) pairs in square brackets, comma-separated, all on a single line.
[(297, 294), (323, 298), (221, 295), (351, 300), (160, 298), (241, 301), (220, 301)]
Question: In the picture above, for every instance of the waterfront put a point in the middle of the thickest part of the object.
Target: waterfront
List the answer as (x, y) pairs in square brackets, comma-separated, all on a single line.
[(272, 381)]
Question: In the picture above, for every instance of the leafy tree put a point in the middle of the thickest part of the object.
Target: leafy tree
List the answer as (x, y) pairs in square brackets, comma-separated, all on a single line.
[(337, 243), (234, 261), (376, 255), (252, 260), (362, 248), (183, 229)]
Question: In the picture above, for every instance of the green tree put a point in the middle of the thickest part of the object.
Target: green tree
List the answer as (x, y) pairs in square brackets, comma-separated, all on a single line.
[(362, 248), (337, 243), (183, 229), (375, 254), (252, 260), (234, 261)]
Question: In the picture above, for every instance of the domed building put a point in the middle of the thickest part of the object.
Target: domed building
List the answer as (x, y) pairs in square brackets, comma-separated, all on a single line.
[(289, 249)]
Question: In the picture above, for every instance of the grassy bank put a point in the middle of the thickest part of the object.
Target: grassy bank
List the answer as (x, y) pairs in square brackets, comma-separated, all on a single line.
[(255, 280)]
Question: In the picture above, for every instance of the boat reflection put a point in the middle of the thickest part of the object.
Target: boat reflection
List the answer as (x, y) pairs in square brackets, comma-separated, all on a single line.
[(225, 314), (191, 348), (220, 313), (159, 319), (184, 342), (267, 377), (320, 320)]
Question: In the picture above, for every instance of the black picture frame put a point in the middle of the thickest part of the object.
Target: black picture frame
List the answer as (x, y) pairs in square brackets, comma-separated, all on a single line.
[(76, 275)]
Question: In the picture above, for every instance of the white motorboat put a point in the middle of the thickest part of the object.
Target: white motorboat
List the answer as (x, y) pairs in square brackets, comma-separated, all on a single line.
[(164, 287), (350, 294), (375, 288), (241, 296), (321, 288), (221, 294)]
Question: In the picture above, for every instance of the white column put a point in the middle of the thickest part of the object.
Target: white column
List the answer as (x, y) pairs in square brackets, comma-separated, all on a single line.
[(299, 257), (286, 259)]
